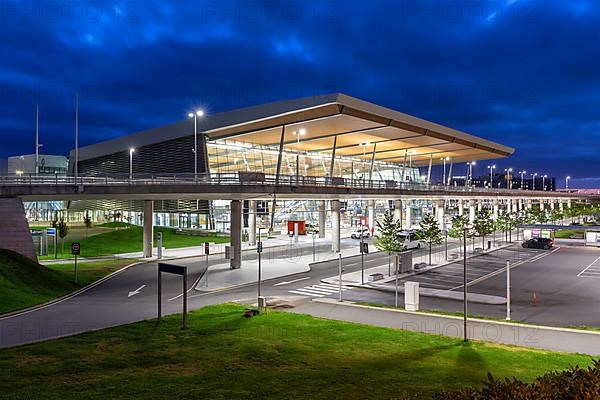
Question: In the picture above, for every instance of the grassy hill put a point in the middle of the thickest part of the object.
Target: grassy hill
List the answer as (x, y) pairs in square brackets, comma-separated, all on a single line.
[(24, 283)]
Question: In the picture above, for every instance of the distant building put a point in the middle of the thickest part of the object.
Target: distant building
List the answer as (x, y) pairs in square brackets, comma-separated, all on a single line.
[(48, 165), (504, 181)]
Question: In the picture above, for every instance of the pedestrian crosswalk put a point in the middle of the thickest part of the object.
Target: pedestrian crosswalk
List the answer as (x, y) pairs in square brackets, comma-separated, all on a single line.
[(320, 290), (592, 270)]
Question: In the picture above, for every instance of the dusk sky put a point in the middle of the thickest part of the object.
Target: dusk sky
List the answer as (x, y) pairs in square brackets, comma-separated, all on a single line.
[(521, 73)]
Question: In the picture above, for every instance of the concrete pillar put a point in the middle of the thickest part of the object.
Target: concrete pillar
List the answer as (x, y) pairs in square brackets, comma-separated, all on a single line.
[(552, 205), (495, 209), (471, 211), (371, 214), (408, 214), (542, 205), (14, 229), (322, 218), (397, 210), (568, 203), (335, 225), (252, 222), (461, 207), (508, 206), (479, 205), (561, 206), (440, 207), (236, 233), (148, 237), (529, 204)]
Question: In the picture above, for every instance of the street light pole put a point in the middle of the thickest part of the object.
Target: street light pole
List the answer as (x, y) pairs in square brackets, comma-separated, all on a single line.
[(544, 182), (522, 178), (465, 284), (567, 182), (508, 290), (195, 115), (491, 168), (533, 180), (131, 151)]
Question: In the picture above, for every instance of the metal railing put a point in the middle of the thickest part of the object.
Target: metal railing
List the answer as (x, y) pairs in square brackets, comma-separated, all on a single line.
[(236, 179)]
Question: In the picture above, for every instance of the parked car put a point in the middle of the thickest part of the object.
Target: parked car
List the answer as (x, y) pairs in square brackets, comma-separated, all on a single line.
[(364, 232), (538, 243), (409, 239)]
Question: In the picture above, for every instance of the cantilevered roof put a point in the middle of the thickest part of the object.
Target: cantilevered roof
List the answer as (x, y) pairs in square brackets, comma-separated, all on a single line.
[(357, 129)]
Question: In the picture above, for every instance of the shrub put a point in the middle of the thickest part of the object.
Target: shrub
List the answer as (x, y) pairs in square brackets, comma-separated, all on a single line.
[(572, 384)]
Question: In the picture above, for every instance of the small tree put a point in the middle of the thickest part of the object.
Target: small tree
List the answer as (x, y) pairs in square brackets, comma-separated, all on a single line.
[(483, 224), (388, 239), (457, 229), (88, 223), (429, 232), (63, 231)]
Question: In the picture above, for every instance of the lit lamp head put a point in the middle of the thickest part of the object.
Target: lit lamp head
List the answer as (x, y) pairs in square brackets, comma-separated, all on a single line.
[(131, 150)]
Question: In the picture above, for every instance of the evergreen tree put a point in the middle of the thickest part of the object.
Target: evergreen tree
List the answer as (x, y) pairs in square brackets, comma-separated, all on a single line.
[(429, 232), (63, 231)]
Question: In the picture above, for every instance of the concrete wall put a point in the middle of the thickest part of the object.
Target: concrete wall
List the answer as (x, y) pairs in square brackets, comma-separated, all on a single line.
[(14, 229)]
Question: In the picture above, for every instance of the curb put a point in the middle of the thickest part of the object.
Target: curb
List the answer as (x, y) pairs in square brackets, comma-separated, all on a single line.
[(455, 318)]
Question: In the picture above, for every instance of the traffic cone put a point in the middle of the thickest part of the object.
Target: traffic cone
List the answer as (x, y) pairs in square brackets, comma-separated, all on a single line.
[(534, 298)]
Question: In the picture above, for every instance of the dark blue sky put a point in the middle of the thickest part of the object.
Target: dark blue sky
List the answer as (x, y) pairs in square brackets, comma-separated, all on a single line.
[(522, 73)]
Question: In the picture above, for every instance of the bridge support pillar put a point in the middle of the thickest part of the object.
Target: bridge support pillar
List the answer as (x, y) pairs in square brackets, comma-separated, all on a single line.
[(397, 210), (408, 214), (14, 230), (322, 218), (479, 204), (461, 207), (561, 206), (471, 211), (335, 225), (236, 234), (529, 204), (252, 222), (568, 203), (440, 207), (552, 205), (371, 216), (542, 205), (148, 236)]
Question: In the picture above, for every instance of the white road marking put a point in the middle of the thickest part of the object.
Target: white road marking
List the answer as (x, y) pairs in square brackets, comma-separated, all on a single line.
[(306, 294), (589, 266), (288, 282), (136, 291)]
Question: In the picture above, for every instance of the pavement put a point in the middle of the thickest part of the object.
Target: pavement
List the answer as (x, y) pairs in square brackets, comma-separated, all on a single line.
[(540, 337)]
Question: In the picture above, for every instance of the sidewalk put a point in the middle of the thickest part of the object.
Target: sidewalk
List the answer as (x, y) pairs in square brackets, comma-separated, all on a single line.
[(539, 337)]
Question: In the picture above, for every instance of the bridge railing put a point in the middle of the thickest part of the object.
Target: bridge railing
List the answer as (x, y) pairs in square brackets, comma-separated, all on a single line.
[(236, 178)]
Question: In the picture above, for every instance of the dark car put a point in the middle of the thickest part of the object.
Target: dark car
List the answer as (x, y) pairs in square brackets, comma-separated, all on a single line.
[(538, 243)]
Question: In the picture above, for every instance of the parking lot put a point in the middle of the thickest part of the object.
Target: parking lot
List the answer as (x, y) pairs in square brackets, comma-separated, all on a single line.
[(450, 277)]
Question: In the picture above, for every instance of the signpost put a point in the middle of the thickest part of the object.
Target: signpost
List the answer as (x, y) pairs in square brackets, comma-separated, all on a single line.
[(340, 273), (259, 250), (206, 253), (52, 232), (177, 270), (75, 251)]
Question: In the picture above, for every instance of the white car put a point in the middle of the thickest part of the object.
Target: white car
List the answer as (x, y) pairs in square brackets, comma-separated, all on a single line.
[(364, 232), (409, 240)]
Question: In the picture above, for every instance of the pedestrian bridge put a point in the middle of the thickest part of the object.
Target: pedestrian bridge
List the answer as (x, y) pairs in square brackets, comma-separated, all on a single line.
[(240, 186)]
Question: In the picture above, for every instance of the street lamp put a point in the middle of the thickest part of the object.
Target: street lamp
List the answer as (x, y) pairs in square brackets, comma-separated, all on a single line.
[(195, 115), (299, 133), (131, 151), (522, 179), (470, 172), (544, 182), (508, 177), (491, 168), (533, 180), (567, 182)]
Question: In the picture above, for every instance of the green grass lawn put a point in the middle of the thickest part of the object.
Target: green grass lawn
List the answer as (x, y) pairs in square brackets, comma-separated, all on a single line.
[(24, 283), (128, 239), (271, 356), (566, 233)]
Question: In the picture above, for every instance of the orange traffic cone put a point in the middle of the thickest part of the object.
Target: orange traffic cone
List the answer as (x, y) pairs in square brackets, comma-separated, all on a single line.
[(534, 298)]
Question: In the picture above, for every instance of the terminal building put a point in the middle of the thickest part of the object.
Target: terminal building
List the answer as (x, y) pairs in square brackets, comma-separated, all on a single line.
[(337, 138)]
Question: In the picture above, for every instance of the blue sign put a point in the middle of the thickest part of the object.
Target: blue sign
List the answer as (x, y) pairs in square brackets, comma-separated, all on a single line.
[(51, 231)]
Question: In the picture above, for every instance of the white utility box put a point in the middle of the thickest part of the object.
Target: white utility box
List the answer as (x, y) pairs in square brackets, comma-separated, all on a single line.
[(411, 296)]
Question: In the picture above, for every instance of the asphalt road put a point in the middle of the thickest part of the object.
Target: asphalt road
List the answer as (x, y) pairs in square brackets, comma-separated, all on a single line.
[(131, 296)]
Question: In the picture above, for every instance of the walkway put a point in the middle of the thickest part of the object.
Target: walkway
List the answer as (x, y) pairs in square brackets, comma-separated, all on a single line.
[(540, 337)]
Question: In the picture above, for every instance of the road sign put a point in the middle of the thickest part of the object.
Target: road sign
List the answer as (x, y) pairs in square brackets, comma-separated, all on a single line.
[(75, 248), (259, 247), (364, 248), (177, 270), (206, 248), (50, 231)]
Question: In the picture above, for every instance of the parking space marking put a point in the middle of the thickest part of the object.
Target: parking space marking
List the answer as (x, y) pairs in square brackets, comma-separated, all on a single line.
[(591, 270)]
